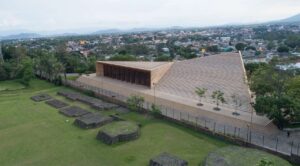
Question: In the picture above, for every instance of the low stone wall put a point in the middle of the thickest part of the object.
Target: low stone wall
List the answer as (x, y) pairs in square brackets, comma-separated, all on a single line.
[(104, 137)]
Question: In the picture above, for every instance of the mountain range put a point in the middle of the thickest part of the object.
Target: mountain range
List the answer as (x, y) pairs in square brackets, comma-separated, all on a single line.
[(293, 19), (25, 34)]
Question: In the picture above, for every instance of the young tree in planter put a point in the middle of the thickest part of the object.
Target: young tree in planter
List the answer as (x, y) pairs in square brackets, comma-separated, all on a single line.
[(135, 103), (218, 96), (201, 93), (237, 103)]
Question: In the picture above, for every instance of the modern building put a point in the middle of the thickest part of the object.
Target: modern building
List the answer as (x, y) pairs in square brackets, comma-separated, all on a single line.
[(141, 73), (173, 84)]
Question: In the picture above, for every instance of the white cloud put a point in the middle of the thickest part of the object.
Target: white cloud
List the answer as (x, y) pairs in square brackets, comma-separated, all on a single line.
[(74, 14), (10, 22)]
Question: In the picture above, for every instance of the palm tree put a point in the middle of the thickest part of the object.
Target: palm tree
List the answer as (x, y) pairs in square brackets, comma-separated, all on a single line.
[(218, 96), (201, 93)]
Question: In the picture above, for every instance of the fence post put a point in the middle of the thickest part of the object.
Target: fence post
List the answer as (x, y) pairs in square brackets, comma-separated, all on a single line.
[(188, 117), (215, 127), (173, 114), (263, 140), (234, 131), (224, 130), (276, 143), (166, 112), (247, 133), (292, 147), (250, 136), (239, 132), (180, 115), (298, 149), (204, 123)]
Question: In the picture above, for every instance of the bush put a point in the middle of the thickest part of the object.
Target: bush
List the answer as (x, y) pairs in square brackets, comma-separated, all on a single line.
[(89, 93), (240, 46), (155, 111), (3, 74), (283, 49), (135, 103)]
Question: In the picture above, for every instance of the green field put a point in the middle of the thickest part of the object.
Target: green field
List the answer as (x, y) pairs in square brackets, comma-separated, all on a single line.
[(11, 86), (122, 127), (232, 155), (36, 134)]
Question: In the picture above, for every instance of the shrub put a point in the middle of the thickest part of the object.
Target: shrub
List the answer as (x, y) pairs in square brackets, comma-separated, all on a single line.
[(155, 111), (135, 102)]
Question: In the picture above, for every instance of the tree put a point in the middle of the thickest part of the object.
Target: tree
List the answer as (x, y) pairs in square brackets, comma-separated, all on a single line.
[(240, 46), (270, 45), (62, 55), (3, 74), (252, 67), (293, 87), (48, 67), (201, 93), (135, 103), (250, 48), (218, 96), (123, 58), (263, 104), (213, 48), (26, 73), (237, 101), (277, 93), (283, 49), (186, 52), (269, 80), (293, 41), (163, 58), (281, 110)]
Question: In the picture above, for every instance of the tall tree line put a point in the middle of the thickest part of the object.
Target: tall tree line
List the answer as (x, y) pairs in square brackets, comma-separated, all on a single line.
[(24, 63)]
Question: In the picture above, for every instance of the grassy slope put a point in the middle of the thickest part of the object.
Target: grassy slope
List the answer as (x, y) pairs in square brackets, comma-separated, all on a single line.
[(36, 134), (10, 85)]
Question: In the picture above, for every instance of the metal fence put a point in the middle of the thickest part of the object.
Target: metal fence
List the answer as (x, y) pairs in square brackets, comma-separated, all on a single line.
[(246, 135)]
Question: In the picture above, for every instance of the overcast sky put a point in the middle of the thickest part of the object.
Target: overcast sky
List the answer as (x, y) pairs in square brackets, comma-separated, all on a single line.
[(50, 15)]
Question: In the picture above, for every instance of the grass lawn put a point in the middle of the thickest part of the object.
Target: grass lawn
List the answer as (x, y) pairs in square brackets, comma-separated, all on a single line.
[(36, 134), (122, 127), (10, 86), (72, 77), (236, 156)]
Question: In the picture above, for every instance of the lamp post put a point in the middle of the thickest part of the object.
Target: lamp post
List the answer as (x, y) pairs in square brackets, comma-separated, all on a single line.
[(251, 121), (102, 91)]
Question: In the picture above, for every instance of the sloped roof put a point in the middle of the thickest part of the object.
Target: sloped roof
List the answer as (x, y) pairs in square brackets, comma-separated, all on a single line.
[(223, 72)]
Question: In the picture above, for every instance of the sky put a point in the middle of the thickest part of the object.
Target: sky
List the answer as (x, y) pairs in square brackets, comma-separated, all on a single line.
[(72, 15)]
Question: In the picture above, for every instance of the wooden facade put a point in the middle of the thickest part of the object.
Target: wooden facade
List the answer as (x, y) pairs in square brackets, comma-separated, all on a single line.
[(135, 76)]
